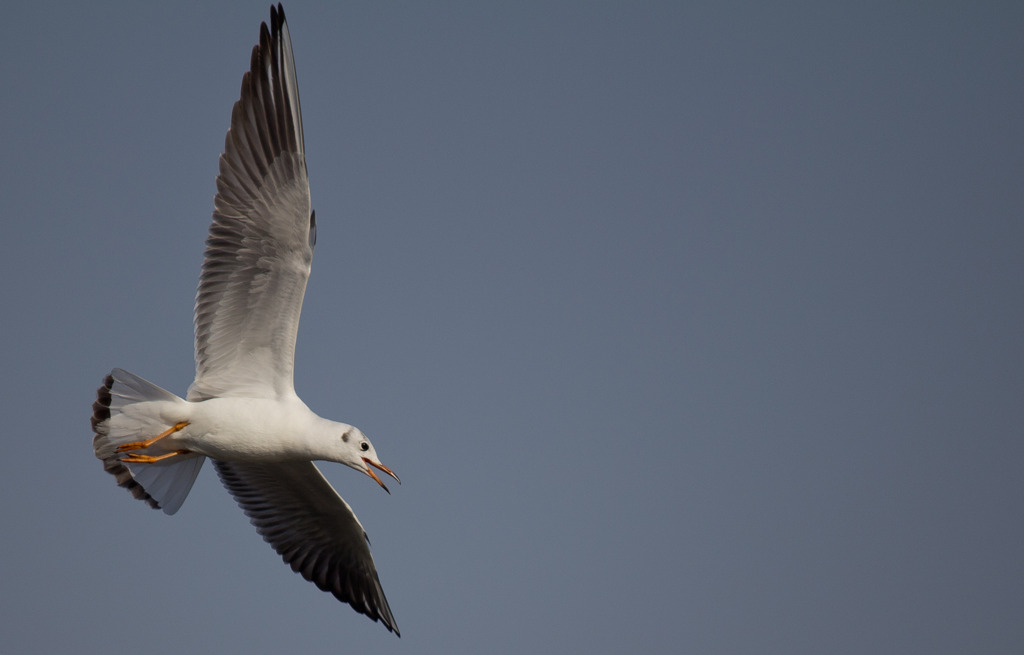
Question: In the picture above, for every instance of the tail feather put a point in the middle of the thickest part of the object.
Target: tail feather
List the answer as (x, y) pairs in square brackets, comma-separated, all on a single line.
[(118, 417)]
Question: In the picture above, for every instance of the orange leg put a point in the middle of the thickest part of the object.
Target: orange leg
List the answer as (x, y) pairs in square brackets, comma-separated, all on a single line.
[(135, 458), (139, 445)]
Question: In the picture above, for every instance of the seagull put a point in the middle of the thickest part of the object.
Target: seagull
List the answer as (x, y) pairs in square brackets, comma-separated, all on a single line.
[(242, 410)]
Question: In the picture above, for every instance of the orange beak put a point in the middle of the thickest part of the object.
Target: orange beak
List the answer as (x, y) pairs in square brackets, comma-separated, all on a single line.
[(369, 472)]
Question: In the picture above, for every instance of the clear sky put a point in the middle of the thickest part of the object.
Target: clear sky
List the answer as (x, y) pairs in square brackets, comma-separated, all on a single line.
[(689, 327)]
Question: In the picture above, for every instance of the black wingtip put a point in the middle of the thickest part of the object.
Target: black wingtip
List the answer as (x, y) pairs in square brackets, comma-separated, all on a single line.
[(276, 18), (269, 35)]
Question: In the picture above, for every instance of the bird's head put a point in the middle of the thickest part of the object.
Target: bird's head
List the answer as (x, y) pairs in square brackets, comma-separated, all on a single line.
[(358, 452)]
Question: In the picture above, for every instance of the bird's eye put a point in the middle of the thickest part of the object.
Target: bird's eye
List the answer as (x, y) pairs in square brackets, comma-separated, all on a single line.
[(364, 446)]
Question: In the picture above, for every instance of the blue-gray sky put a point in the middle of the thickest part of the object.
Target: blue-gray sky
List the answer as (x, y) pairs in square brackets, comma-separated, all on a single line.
[(689, 327)]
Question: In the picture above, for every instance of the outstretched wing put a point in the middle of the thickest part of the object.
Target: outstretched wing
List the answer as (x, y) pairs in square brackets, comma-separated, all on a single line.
[(300, 514), (260, 246)]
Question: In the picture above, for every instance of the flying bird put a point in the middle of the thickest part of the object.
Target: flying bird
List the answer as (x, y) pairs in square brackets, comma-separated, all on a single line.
[(241, 410)]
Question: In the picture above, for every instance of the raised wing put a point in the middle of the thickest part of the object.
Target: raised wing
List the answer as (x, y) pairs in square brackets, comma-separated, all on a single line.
[(260, 246), (300, 514)]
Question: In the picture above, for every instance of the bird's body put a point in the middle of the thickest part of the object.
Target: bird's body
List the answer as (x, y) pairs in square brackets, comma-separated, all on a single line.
[(238, 429), (249, 429), (242, 411)]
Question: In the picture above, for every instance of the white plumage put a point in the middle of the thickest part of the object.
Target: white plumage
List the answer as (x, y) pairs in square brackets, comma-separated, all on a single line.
[(242, 410)]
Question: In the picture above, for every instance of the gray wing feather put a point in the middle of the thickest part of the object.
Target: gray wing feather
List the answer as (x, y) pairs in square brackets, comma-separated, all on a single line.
[(300, 514), (259, 249)]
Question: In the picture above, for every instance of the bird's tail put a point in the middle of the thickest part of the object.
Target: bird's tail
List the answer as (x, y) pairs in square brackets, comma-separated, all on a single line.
[(129, 409)]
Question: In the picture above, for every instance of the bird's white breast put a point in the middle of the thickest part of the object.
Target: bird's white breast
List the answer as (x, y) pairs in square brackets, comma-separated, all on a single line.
[(242, 429)]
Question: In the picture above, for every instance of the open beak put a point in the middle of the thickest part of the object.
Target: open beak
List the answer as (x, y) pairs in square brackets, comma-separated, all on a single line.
[(369, 472)]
